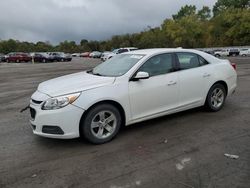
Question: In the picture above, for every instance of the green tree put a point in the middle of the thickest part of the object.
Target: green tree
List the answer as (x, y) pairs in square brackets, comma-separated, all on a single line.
[(9, 46), (186, 32), (232, 27), (222, 5), (186, 10), (204, 13)]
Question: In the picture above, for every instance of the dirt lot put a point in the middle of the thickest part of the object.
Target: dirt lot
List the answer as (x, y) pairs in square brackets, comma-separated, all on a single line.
[(192, 155)]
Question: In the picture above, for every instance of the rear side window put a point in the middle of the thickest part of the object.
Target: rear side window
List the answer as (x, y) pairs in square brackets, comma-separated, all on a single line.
[(202, 61), (190, 60), (157, 65)]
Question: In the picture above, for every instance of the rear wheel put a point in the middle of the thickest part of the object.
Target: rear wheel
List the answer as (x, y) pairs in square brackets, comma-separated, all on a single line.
[(17, 61), (101, 124), (44, 61), (216, 97)]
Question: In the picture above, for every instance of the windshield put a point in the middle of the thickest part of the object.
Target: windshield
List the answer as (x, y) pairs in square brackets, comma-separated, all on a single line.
[(117, 66)]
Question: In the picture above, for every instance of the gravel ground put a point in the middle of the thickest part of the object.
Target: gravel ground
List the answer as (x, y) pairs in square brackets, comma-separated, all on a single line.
[(181, 150)]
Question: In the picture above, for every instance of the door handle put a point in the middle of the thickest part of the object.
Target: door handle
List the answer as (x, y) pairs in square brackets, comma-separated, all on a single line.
[(171, 83), (206, 75)]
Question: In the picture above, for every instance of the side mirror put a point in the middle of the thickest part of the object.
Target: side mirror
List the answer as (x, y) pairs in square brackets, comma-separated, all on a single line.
[(140, 75)]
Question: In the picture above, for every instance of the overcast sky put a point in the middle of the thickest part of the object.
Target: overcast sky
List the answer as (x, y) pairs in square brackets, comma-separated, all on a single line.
[(59, 20)]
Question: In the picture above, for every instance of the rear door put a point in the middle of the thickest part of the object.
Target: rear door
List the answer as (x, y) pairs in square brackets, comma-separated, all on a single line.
[(194, 78)]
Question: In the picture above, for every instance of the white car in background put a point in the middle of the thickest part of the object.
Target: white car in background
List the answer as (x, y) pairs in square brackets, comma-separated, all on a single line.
[(221, 53), (119, 51), (75, 55), (245, 52), (105, 55), (130, 88)]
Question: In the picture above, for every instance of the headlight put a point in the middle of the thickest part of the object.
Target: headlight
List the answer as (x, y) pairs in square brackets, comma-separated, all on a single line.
[(59, 102)]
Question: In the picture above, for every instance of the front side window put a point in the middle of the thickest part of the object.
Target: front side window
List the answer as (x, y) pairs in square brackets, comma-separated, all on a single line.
[(188, 60), (117, 66), (157, 65)]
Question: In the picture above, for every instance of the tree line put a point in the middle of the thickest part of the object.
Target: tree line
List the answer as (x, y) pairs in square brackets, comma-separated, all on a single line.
[(227, 24)]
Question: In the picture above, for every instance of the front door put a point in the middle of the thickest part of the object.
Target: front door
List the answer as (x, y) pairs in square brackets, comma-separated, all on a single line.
[(159, 92)]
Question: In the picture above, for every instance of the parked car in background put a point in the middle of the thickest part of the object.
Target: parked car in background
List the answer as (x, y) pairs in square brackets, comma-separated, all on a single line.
[(2, 57), (59, 56), (68, 57), (85, 54), (245, 52), (127, 49), (95, 54), (18, 57), (130, 88), (120, 51), (221, 53), (227, 52), (41, 57), (75, 55), (234, 52), (105, 55)]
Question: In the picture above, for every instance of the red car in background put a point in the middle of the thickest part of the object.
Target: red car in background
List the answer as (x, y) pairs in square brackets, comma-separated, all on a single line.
[(18, 57)]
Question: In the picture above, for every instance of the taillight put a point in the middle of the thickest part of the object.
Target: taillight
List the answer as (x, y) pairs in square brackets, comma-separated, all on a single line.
[(234, 65)]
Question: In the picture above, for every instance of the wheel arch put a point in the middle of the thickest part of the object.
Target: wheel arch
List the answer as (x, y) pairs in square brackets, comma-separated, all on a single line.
[(112, 102), (218, 82), (222, 83)]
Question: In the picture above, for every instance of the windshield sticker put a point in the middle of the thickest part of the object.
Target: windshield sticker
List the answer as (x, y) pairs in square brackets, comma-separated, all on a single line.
[(136, 56)]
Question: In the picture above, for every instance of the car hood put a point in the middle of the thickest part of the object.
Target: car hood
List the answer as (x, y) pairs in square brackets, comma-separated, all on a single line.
[(73, 83)]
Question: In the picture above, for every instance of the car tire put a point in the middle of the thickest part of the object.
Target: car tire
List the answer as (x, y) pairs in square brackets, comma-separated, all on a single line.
[(17, 61), (44, 61), (101, 124), (7, 60), (216, 98), (217, 55)]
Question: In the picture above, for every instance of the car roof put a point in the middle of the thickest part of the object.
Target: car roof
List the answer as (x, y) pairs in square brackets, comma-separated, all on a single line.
[(161, 50), (155, 51)]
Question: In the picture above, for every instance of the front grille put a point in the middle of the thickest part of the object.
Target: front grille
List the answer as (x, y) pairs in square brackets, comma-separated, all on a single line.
[(32, 113), (36, 102)]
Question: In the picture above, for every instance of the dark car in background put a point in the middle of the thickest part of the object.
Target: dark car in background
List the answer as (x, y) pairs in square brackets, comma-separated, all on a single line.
[(18, 57), (41, 57), (59, 56), (234, 52)]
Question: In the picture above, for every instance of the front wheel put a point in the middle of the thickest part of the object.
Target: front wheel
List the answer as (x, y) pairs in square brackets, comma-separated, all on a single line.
[(216, 98), (101, 124)]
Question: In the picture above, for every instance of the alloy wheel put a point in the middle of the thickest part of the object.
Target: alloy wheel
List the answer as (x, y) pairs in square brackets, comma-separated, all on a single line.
[(103, 124), (217, 98)]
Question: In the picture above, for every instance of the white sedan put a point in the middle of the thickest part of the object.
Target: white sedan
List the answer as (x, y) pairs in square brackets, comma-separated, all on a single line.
[(130, 88)]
